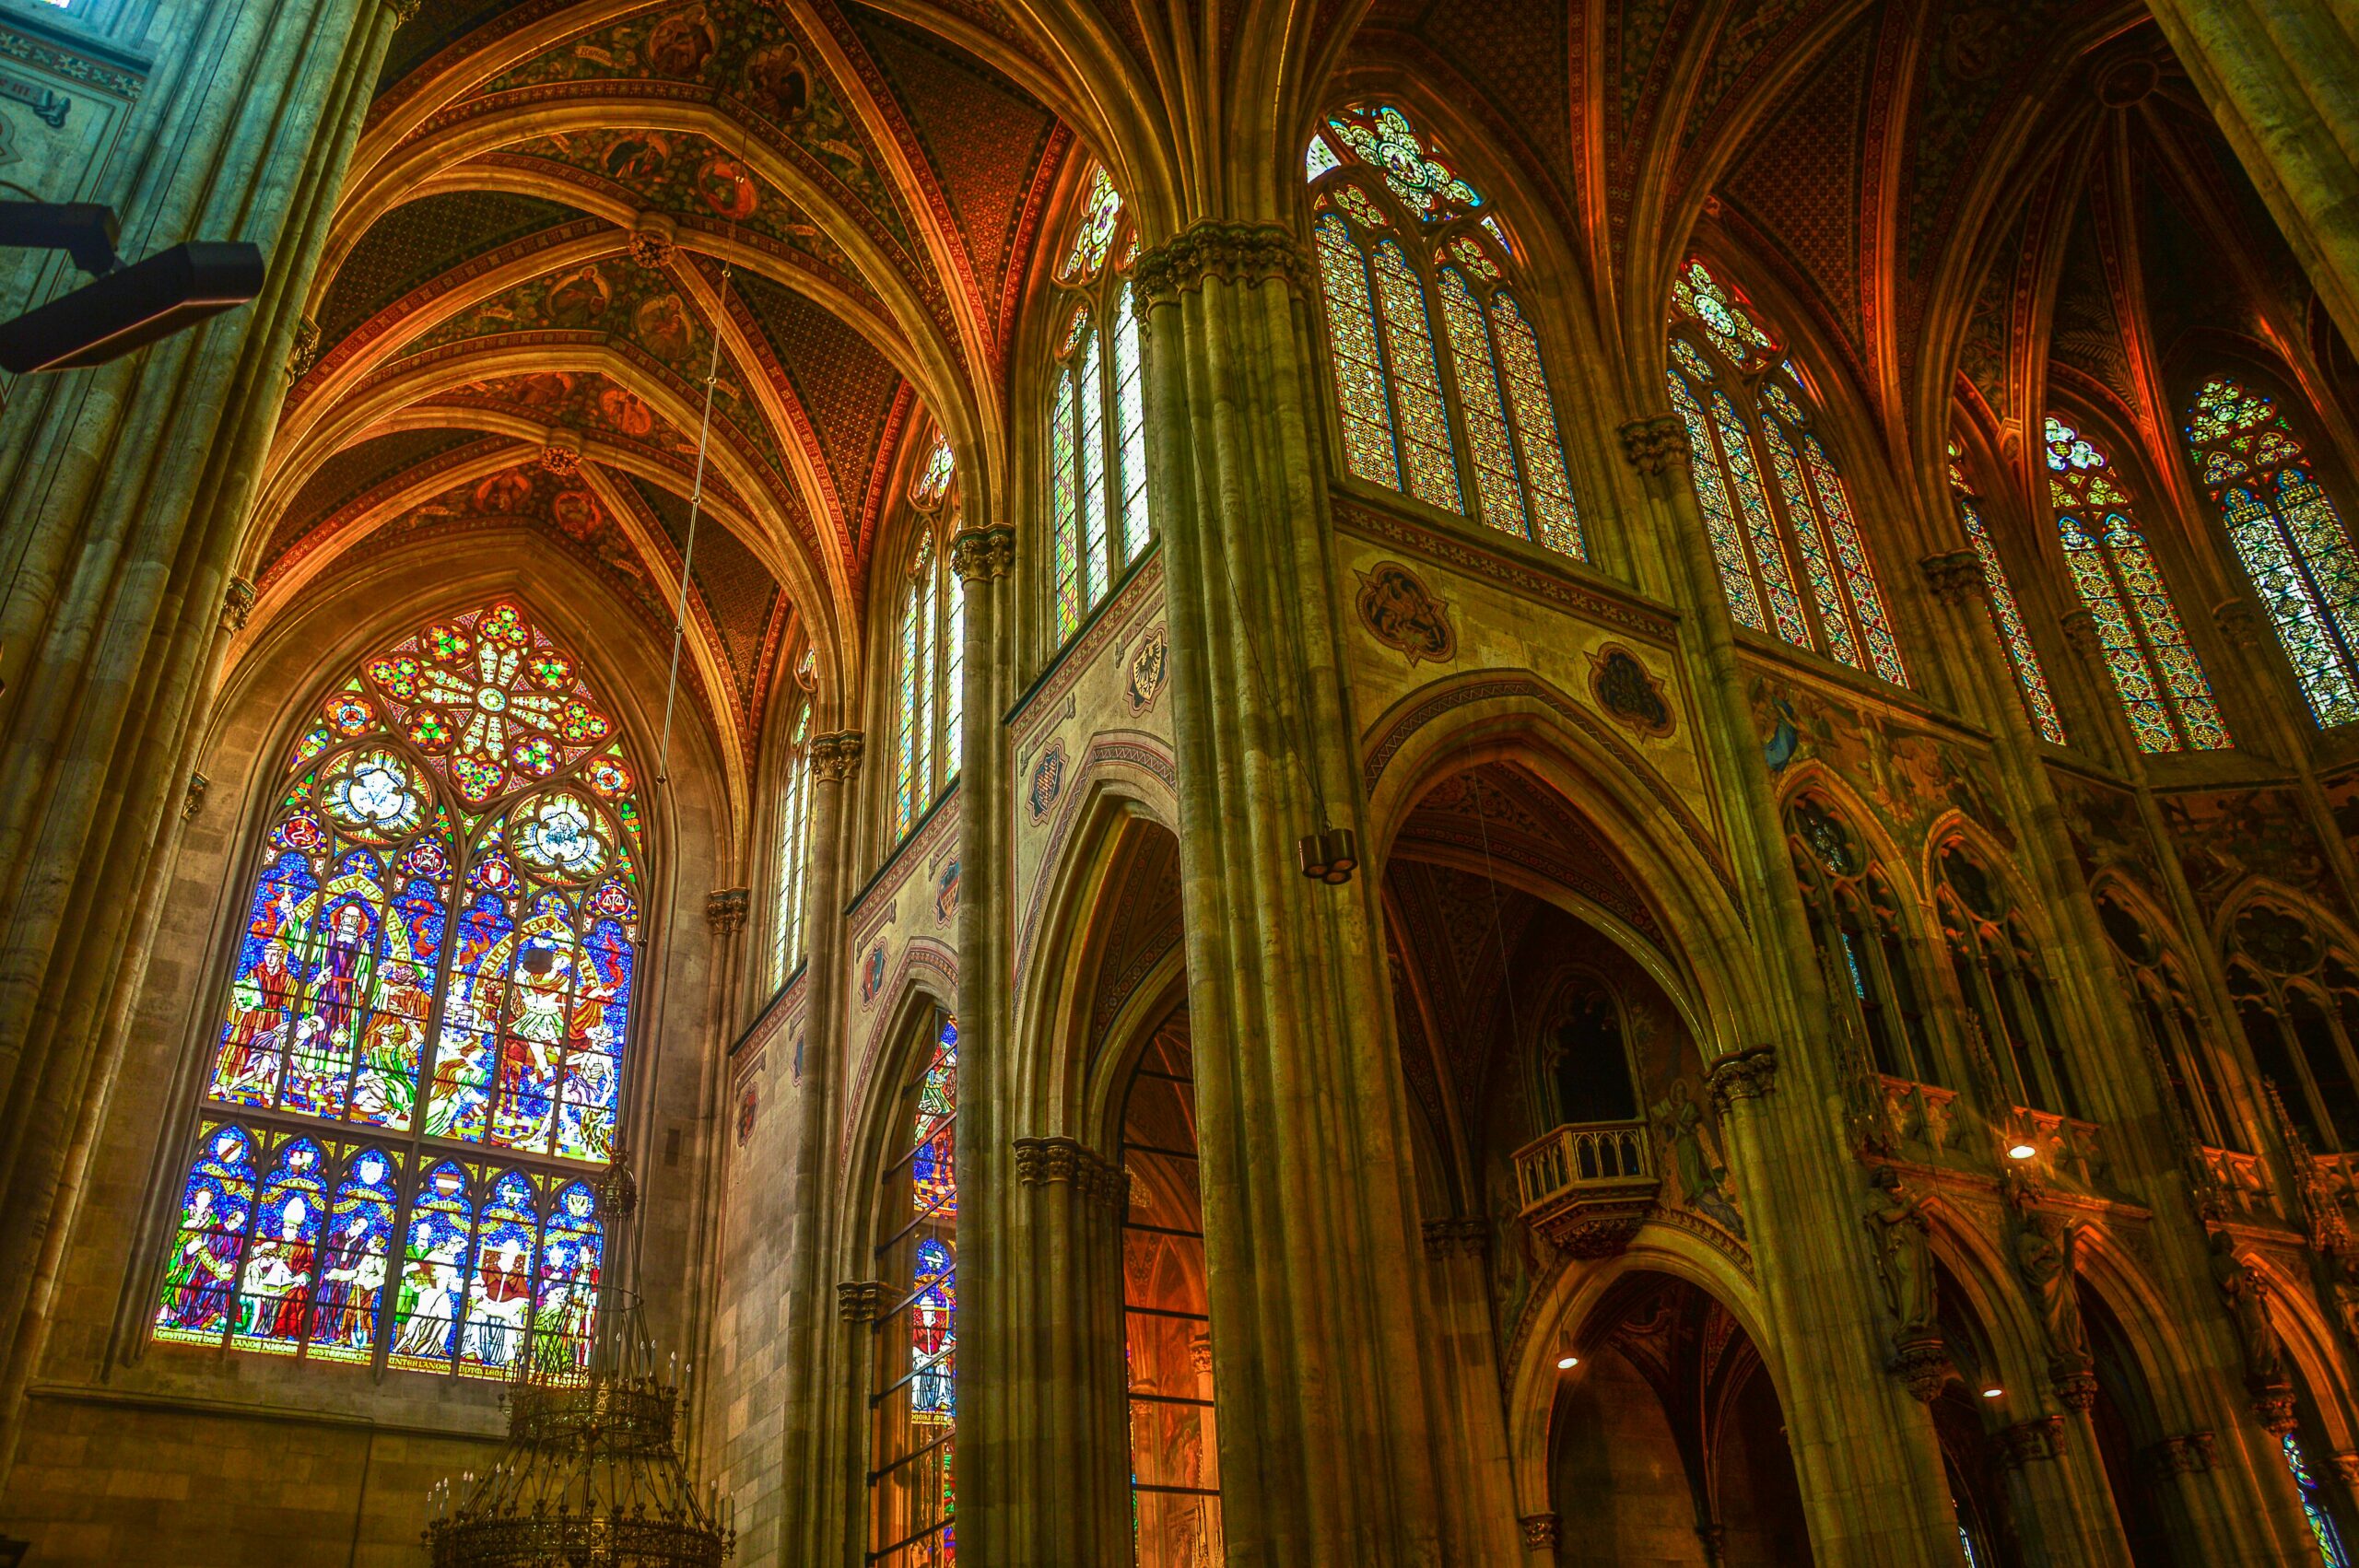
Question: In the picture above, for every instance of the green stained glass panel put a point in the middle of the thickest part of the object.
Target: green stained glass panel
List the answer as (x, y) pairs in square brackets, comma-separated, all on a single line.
[(1719, 521), (1065, 506), (1760, 528), (1851, 557), (2006, 615), (1555, 520), (1496, 483), (1416, 382)]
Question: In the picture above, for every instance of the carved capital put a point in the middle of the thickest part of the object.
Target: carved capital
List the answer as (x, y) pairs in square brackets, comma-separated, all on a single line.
[(404, 10), (653, 238), (2272, 1406), (2073, 1380), (2236, 619), (303, 352), (724, 909), (860, 1301), (1748, 1074), (1249, 253), (1954, 575), (2081, 636), (984, 555), (2188, 1454), (197, 785), (2027, 1440), (1041, 1161), (1466, 1235), (561, 453), (237, 603), (834, 756), (1922, 1363), (1539, 1531), (1652, 444), (2346, 1466)]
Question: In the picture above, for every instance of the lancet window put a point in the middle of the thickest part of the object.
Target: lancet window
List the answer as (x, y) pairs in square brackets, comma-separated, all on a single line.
[(2292, 540), (414, 1073), (928, 649), (2163, 691), (1099, 522), (2006, 615), (1584, 1058), (793, 849), (914, 1391), (1995, 958), (1167, 1316), (2166, 1021), (1791, 556), (1856, 928), (1438, 374), (2297, 997)]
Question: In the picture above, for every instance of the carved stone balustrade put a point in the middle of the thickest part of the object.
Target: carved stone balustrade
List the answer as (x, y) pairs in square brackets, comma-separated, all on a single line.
[(1927, 1117), (1588, 1187), (2062, 1149)]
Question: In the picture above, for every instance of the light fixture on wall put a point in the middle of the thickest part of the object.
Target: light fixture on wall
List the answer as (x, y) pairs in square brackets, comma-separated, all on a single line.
[(592, 1476), (1566, 1362), (1330, 855), (1993, 1392), (2021, 1151)]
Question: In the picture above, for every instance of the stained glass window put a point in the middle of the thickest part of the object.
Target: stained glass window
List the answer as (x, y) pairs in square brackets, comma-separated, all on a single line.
[(2323, 1533), (2006, 615), (2289, 535), (913, 774), (915, 1402), (2163, 691), (793, 849), (933, 481), (1439, 388), (1099, 519), (434, 974), (1771, 492)]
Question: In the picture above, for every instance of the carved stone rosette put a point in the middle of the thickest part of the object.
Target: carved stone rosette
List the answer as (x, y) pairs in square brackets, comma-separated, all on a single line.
[(237, 603), (982, 554), (1954, 575), (725, 909), (561, 453), (1922, 1363), (1652, 444), (1234, 253), (860, 1301), (653, 238), (1748, 1074), (2027, 1440), (834, 756)]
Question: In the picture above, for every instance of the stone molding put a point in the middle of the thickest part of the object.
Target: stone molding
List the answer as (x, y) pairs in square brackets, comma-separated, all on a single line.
[(983, 554), (860, 1301), (1465, 1235), (1953, 576), (1748, 1074), (725, 909), (237, 603), (404, 10), (304, 351), (1540, 1531), (1249, 253), (1922, 1364), (1652, 444), (1057, 1161), (197, 785), (834, 756), (2029, 1441), (2188, 1453)]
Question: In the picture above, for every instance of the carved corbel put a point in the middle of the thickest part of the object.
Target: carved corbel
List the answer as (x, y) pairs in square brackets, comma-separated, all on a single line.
[(2081, 636), (1748, 1074), (1953, 576), (2027, 1441), (1465, 1235), (237, 603), (1652, 444), (2188, 1453), (725, 909), (860, 1301), (2237, 620), (1540, 1531)]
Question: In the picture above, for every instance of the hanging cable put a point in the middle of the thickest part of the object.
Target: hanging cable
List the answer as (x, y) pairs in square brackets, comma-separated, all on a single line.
[(689, 544)]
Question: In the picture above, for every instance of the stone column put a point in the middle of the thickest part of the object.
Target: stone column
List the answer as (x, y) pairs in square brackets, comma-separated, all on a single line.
[(1001, 1490), (807, 1501), (2277, 76), (1315, 1270), (124, 492), (1478, 1475)]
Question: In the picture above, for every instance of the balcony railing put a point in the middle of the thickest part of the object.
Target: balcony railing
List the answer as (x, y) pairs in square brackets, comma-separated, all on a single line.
[(1589, 1185)]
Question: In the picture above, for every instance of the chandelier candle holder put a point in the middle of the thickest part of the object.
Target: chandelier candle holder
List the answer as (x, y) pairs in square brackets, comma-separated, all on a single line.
[(592, 1476)]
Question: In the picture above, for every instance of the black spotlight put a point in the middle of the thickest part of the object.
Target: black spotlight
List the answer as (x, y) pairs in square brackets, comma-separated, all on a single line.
[(126, 307)]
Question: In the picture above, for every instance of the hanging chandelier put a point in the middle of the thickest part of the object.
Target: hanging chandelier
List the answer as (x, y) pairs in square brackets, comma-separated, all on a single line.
[(592, 1476)]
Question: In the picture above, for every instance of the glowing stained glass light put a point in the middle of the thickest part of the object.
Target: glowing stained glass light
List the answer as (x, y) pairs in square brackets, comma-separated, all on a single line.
[(1360, 389), (1381, 136), (1423, 411), (913, 776), (1737, 579), (1555, 520), (2292, 540), (392, 901), (1101, 210), (1497, 485), (933, 481), (2163, 691), (793, 835), (1064, 540), (1130, 432), (2323, 1533), (1724, 314), (2006, 615)]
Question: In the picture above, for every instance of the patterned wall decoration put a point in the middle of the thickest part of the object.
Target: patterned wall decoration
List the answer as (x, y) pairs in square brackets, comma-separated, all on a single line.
[(1046, 782), (1625, 690), (352, 473), (2224, 838), (419, 242), (1908, 774), (1969, 75), (1400, 611), (844, 385), (1142, 676)]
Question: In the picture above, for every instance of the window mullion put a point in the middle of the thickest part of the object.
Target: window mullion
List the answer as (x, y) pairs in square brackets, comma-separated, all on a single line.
[(2142, 635), (1454, 395), (1380, 329), (2302, 564), (1789, 529)]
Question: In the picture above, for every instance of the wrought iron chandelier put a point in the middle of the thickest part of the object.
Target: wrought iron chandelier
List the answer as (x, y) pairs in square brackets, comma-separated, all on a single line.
[(592, 1476)]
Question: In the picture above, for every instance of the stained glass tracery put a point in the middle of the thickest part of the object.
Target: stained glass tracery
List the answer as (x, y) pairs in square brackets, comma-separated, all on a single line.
[(2165, 694), (2292, 541), (456, 849), (1099, 518), (915, 1398), (1439, 381), (1751, 418), (2006, 615)]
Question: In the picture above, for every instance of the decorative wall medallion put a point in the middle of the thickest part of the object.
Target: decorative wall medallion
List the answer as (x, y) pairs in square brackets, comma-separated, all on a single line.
[(747, 1104), (1146, 670), (1401, 615), (1047, 781), (871, 975), (945, 893), (1623, 689)]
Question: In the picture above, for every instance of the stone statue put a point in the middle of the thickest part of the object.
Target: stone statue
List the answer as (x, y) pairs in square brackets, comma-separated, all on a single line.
[(2045, 1249), (1895, 1220), (2248, 1298)]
